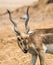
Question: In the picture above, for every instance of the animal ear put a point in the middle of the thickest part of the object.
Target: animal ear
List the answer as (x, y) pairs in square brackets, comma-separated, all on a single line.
[(31, 32)]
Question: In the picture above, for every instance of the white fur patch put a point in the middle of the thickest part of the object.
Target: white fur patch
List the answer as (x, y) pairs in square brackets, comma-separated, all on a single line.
[(45, 48), (24, 17)]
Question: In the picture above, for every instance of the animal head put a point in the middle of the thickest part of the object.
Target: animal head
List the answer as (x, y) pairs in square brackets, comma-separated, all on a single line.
[(23, 41), (22, 37)]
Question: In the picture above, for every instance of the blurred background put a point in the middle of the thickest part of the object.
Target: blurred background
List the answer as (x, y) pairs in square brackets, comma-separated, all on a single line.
[(11, 4), (41, 16)]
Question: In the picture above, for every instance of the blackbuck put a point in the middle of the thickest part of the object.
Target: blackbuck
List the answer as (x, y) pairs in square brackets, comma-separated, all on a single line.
[(38, 42)]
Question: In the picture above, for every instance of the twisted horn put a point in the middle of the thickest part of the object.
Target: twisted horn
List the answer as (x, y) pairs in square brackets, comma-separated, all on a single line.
[(26, 22), (15, 25)]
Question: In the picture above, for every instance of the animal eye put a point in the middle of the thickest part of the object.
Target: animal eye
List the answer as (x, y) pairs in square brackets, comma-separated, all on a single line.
[(22, 38), (19, 39), (20, 43), (25, 38)]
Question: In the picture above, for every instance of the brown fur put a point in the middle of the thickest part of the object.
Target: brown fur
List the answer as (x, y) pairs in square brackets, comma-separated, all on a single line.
[(40, 37)]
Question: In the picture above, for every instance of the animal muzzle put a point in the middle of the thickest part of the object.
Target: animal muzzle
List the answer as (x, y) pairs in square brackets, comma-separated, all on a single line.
[(25, 50)]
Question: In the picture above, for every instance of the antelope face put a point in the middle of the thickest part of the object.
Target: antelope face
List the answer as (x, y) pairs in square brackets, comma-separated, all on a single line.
[(23, 42), (23, 38)]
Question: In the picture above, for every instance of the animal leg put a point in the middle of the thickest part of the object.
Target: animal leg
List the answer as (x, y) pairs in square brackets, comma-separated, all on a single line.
[(42, 57), (34, 58)]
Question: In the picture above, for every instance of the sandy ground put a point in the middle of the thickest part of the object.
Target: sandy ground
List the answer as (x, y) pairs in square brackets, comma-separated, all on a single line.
[(10, 53)]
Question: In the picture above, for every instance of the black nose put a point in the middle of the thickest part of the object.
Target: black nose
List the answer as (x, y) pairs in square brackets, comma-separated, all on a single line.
[(25, 51)]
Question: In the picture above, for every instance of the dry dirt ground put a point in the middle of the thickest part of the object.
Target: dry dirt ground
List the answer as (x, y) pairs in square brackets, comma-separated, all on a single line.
[(10, 53)]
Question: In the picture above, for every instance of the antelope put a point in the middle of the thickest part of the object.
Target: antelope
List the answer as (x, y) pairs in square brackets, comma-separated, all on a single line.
[(37, 42)]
